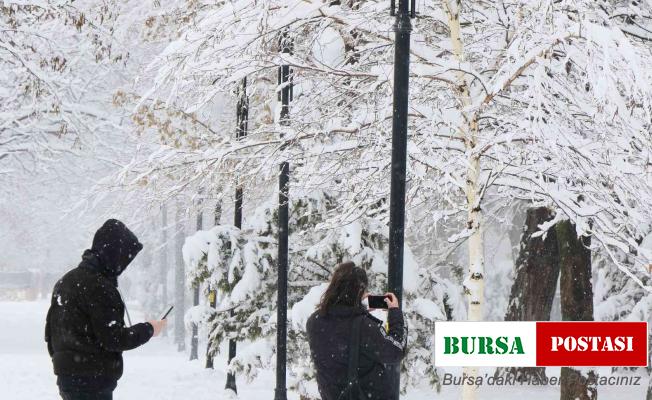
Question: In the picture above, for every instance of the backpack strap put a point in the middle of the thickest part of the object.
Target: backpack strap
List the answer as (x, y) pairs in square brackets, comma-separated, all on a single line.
[(352, 389)]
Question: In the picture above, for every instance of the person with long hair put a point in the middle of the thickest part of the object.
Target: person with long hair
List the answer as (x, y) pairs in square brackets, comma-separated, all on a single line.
[(354, 353)]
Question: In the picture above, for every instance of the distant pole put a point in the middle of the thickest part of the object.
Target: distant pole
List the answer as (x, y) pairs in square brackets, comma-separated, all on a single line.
[(179, 282), (194, 341), (402, 29), (164, 258), (242, 116), (285, 81)]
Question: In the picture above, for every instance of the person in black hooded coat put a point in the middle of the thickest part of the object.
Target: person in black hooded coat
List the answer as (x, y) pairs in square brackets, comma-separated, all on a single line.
[(85, 329), (379, 347)]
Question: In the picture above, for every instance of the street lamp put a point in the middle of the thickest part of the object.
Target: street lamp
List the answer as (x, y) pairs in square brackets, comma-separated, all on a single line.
[(402, 29), (242, 116), (285, 82)]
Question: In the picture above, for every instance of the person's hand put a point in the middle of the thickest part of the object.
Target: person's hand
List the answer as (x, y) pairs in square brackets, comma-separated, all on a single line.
[(158, 325), (391, 300)]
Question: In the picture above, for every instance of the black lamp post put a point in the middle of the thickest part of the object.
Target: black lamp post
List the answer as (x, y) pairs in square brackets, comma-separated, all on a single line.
[(242, 116), (402, 29), (285, 82)]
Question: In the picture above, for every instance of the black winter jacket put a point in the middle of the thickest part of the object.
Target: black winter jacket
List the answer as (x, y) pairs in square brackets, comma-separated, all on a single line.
[(85, 329), (380, 351)]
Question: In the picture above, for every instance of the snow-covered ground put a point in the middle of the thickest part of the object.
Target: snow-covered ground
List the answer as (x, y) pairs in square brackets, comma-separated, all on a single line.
[(157, 371), (153, 371)]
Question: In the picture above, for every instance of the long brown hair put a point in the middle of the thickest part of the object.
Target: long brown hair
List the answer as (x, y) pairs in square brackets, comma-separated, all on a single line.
[(347, 286)]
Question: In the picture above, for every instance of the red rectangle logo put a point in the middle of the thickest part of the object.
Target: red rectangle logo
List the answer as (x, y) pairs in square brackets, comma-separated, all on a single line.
[(592, 344)]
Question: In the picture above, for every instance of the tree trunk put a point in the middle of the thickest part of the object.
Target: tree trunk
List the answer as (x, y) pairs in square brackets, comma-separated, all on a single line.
[(515, 232), (164, 261), (468, 130), (179, 283), (535, 282), (649, 384), (474, 282), (576, 303), (537, 271), (578, 386)]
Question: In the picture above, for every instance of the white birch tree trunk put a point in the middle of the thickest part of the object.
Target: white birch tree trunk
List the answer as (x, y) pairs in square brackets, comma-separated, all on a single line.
[(474, 281)]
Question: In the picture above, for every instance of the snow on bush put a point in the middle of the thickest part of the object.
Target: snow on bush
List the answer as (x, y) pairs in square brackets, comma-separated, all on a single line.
[(242, 264), (304, 308)]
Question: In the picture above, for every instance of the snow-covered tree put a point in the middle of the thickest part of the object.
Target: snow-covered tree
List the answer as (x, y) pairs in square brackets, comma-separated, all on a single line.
[(490, 104), (58, 60), (242, 263), (546, 101)]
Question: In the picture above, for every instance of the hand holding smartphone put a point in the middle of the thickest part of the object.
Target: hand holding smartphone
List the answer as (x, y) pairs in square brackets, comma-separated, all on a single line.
[(383, 302), (160, 323), (377, 301)]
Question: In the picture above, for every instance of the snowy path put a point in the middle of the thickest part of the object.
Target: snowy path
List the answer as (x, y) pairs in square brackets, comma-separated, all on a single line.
[(154, 371), (157, 372)]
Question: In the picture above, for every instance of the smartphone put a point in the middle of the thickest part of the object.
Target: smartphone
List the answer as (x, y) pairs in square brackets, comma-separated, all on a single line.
[(377, 301), (167, 312)]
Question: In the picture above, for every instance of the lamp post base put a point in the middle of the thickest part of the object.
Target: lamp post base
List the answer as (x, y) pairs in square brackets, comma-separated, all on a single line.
[(280, 394)]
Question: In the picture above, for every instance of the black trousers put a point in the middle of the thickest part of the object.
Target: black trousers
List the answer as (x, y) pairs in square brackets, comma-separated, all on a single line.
[(101, 395)]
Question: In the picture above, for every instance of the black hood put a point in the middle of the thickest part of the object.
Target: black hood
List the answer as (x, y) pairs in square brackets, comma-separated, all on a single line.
[(114, 247)]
